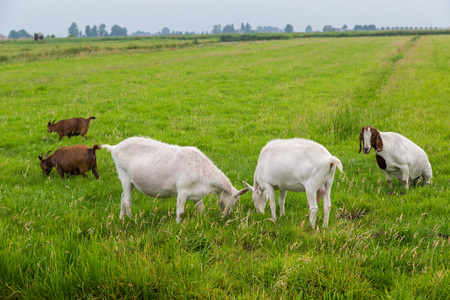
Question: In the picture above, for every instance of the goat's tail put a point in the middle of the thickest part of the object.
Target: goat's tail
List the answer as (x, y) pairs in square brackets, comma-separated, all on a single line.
[(334, 161), (107, 147), (92, 118), (96, 147)]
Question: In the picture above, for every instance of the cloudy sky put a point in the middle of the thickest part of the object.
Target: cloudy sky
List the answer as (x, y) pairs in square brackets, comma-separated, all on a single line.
[(55, 16)]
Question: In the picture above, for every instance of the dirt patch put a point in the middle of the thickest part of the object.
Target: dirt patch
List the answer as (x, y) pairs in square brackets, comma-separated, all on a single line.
[(351, 215)]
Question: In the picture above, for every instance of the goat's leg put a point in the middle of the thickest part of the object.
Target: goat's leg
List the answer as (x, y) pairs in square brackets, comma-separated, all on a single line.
[(126, 197), (94, 170), (200, 206), (281, 201), (313, 208), (405, 177), (181, 201), (326, 205), (273, 205), (60, 171)]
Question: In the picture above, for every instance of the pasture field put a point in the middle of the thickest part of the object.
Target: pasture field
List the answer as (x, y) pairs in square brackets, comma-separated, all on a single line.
[(64, 239)]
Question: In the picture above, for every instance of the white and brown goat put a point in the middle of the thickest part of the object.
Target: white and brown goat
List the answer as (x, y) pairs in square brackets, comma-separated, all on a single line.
[(72, 160), (70, 127), (396, 155)]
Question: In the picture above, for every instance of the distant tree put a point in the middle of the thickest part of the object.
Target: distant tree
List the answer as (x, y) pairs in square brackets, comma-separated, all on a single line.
[(289, 28), (19, 34), (73, 29), (229, 29), (327, 28), (102, 30), (217, 29), (13, 34), (141, 33), (248, 28), (87, 31), (23, 33), (308, 28), (345, 27), (242, 27), (165, 31), (268, 29), (94, 31), (116, 30)]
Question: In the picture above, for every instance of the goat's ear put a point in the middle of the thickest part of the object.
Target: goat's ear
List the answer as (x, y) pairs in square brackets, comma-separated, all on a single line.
[(241, 192), (40, 157), (361, 136), (249, 187), (378, 142)]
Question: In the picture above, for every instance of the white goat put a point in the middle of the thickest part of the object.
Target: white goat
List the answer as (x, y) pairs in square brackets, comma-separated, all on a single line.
[(396, 155), (295, 165), (161, 170)]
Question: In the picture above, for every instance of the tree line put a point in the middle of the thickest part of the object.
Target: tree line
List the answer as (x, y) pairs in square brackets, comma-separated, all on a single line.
[(116, 30), (329, 28), (95, 31)]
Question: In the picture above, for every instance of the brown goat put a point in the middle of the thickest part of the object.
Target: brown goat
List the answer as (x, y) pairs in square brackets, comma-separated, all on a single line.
[(70, 127), (73, 160)]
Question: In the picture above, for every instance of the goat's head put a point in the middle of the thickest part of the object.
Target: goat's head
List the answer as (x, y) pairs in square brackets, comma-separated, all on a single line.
[(227, 201), (259, 197), (371, 138), (50, 126), (46, 163)]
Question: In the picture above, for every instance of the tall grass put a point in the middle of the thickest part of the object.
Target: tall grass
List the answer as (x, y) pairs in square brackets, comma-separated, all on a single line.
[(64, 239)]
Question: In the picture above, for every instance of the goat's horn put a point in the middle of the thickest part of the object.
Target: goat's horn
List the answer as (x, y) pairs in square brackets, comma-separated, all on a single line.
[(46, 154), (53, 121)]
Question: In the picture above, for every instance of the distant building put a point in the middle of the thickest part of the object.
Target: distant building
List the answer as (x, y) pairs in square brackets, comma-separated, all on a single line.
[(3, 37)]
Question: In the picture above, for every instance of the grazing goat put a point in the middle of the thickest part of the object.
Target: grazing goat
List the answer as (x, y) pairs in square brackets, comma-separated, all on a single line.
[(161, 170), (296, 165), (396, 155), (70, 127), (73, 160)]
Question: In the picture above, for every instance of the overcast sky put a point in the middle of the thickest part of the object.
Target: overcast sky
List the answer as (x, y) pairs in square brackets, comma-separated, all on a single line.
[(55, 16)]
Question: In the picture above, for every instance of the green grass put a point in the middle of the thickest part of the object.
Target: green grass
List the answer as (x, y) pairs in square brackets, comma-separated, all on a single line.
[(64, 239)]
